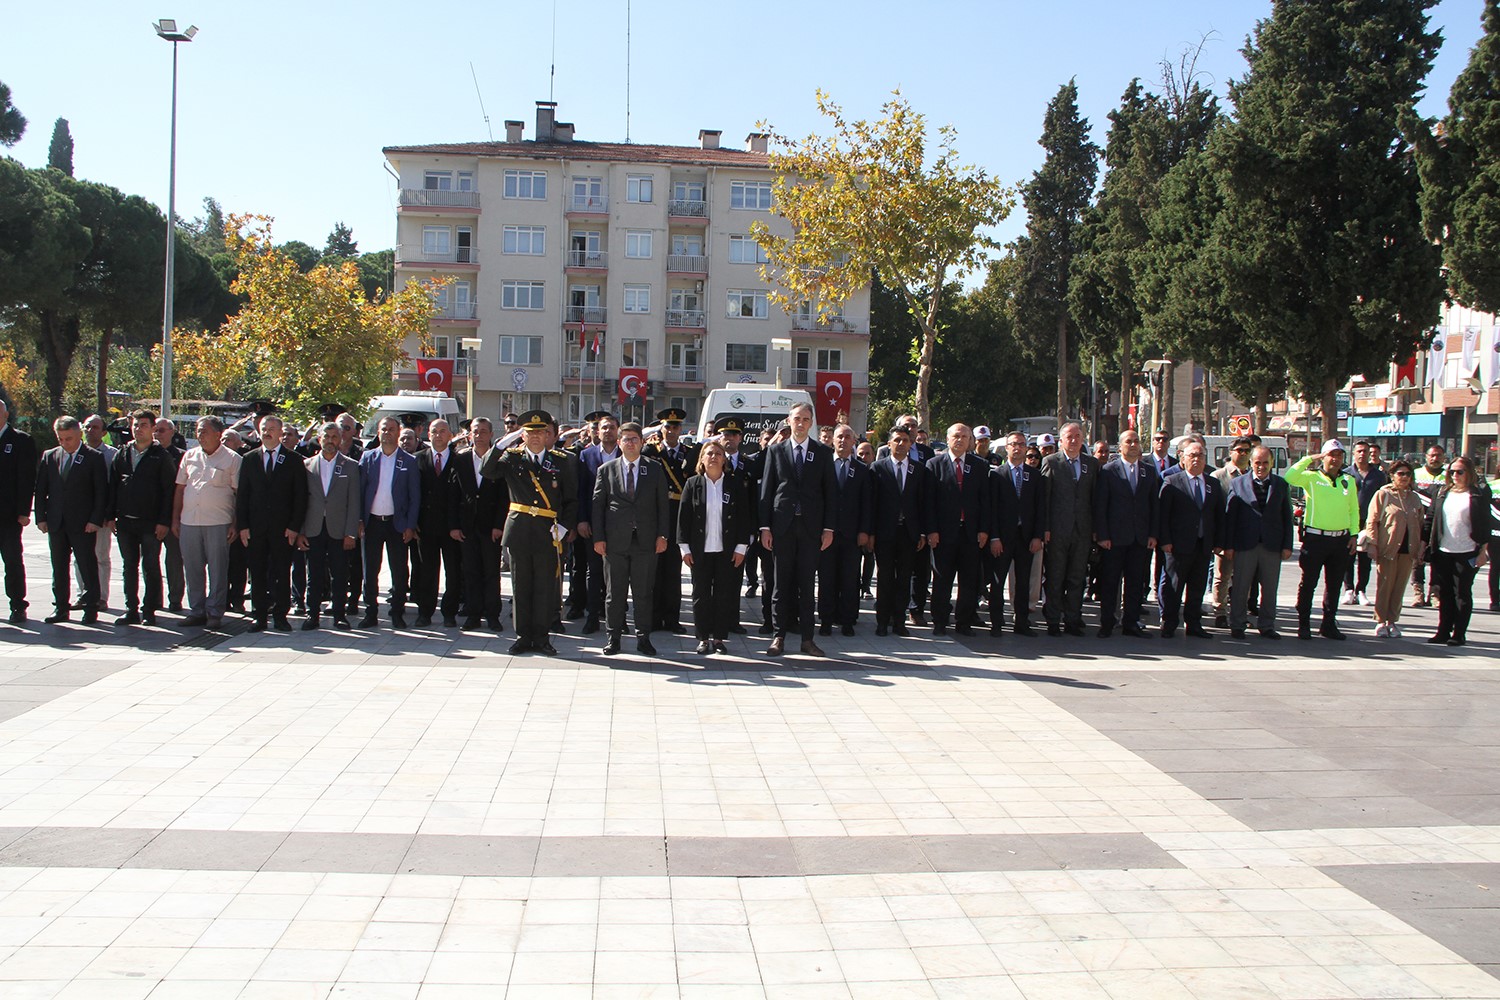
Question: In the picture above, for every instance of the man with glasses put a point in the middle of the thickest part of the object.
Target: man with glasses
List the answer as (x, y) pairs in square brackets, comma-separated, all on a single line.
[(1330, 529), (921, 577), (1258, 537), (1164, 463), (512, 423), (1237, 464)]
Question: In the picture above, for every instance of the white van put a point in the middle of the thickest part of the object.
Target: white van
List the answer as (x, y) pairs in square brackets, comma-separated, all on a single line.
[(430, 403), (1218, 450), (756, 405)]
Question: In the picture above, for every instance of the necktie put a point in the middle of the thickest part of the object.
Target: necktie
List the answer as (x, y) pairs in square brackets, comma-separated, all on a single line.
[(1131, 473), (1076, 474), (268, 462), (630, 480), (437, 461), (1015, 478), (1198, 491), (958, 472), (901, 476), (67, 465), (842, 466), (801, 456)]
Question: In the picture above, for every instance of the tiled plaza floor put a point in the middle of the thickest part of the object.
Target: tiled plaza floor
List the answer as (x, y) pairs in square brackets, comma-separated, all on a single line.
[(418, 815)]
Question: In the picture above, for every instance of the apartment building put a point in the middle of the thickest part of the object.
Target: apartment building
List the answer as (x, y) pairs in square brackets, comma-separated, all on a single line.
[(574, 260)]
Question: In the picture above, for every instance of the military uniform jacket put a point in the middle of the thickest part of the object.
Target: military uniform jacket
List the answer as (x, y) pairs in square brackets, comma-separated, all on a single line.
[(678, 464), (552, 486)]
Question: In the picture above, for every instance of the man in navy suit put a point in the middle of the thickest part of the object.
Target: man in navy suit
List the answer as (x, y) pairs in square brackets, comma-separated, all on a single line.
[(1070, 474), (921, 576), (853, 520), (72, 505), (900, 500), (797, 497), (1258, 536), (960, 527), (590, 602), (270, 505), (390, 500), (1125, 504), (1019, 523), (1189, 528)]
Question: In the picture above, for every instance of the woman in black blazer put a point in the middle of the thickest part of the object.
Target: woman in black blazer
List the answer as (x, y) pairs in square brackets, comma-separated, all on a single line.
[(1456, 547), (713, 500)]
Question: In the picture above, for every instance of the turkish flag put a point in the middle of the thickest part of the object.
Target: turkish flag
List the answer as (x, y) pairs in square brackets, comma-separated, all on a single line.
[(632, 385), (833, 396), (436, 373), (1406, 373)]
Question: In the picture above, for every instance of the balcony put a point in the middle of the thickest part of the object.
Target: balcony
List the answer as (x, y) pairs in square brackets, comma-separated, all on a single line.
[(588, 260), (583, 371), (456, 312), (833, 326), (592, 315), (580, 204), (683, 263), (415, 254), (688, 211), (439, 201), (688, 319), (692, 374)]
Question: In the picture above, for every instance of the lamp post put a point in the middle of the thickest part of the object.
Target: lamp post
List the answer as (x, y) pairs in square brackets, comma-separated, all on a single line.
[(166, 29), (472, 345)]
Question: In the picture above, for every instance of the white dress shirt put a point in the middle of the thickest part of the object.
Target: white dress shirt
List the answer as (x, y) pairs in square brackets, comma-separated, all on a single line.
[(384, 504)]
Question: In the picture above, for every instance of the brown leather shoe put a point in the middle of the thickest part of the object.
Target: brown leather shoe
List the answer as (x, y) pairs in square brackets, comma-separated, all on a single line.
[(810, 648), (778, 646)]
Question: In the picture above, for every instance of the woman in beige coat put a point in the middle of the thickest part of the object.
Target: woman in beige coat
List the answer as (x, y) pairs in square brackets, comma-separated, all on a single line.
[(1395, 529)]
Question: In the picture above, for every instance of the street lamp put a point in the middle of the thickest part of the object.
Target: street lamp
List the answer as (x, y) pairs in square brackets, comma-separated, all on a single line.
[(166, 29), (472, 345)]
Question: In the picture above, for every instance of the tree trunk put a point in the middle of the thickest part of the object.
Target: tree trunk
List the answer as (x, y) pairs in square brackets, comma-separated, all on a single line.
[(1330, 408), (1168, 401), (1262, 402), (1127, 388), (103, 387), (924, 376), (56, 357), (1062, 370), (1208, 401)]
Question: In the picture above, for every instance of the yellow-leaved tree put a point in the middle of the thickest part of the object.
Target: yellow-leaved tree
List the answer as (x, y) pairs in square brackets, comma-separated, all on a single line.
[(866, 200), (314, 337)]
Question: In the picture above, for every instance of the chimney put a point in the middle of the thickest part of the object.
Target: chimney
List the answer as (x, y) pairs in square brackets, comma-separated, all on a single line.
[(755, 142), (709, 137), (546, 117), (564, 131), (513, 130)]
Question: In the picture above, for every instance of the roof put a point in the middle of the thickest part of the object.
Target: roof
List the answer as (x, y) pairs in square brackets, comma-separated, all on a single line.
[(576, 149)]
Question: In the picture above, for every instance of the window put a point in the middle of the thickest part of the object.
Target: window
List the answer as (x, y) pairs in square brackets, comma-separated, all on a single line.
[(439, 347), (437, 241), (521, 294), (744, 357), (750, 194), (437, 180), (465, 180), (744, 250), (747, 303), (462, 293), (687, 404), (633, 353), (520, 350), (637, 298), (526, 240), (585, 242), (685, 298), (588, 193), (830, 360), (638, 188), (529, 184), (685, 358), (583, 296), (687, 191), (687, 246), (638, 244)]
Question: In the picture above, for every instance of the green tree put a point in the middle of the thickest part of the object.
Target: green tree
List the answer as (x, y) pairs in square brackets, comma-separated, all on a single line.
[(377, 273), (60, 152), (1055, 199), (340, 244), (206, 232), (12, 122), (1319, 250), (865, 200), (1460, 170), (304, 256)]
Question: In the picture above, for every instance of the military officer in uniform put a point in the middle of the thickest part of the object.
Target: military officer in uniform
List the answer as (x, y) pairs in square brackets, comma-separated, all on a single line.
[(678, 461), (543, 504)]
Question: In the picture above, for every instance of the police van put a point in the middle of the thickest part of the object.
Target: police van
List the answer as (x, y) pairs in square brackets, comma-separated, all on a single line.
[(758, 406), (1218, 450)]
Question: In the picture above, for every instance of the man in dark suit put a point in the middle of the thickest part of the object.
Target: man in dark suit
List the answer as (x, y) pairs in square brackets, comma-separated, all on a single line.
[(72, 505), (142, 485), (607, 448), (921, 574), (1190, 524), (271, 504), (959, 499), (797, 497), (630, 509), (18, 463), (1019, 521), (173, 577), (1125, 523), (477, 514), (390, 500), (901, 497), (1258, 535), (1159, 459), (438, 547), (1070, 474), (853, 520), (677, 461), (759, 560), (331, 526)]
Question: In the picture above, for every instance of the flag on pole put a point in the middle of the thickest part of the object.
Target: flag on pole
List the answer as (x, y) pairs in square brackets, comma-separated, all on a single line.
[(1437, 357), (1471, 347), (1489, 359)]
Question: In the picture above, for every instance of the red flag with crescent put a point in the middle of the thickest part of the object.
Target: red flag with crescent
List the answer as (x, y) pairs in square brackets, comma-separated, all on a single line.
[(833, 396), (436, 374), (632, 385)]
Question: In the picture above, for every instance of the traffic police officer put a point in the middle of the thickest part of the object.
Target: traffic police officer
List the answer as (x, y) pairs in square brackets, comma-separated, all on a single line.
[(1330, 529), (678, 461)]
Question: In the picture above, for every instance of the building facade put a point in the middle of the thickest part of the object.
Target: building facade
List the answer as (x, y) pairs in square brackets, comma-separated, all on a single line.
[(575, 261)]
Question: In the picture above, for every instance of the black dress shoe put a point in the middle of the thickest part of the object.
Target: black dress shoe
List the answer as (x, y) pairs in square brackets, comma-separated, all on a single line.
[(750, 590), (56, 617), (342, 623), (1054, 630), (369, 621), (1076, 630), (128, 618), (810, 648), (881, 629), (939, 629), (1457, 640), (766, 628), (1134, 631), (1023, 629), (720, 646), (545, 647), (848, 630), (256, 626), (90, 618), (963, 630), (738, 630), (473, 624), (704, 648), (495, 626), (423, 620), (591, 626), (18, 616), (282, 625), (575, 613), (825, 630), (1304, 632), (917, 618), (1437, 640), (148, 618), (311, 625), (1221, 621), (1237, 633), (175, 607), (398, 620), (643, 645), (1269, 633), (1332, 632), (1169, 633), (1105, 631), (450, 621), (520, 646), (194, 621), (900, 630), (612, 645), (778, 646), (1198, 632)]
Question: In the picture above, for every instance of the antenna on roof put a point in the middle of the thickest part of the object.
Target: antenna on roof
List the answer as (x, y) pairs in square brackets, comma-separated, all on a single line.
[(552, 72), (477, 94), (627, 70)]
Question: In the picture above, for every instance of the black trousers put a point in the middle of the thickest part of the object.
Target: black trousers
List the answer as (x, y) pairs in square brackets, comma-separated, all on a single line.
[(327, 574), (1186, 580), (838, 583), (175, 579), (299, 578), (239, 572), (595, 605), (866, 570), (1016, 552), (633, 565), (1494, 572), (667, 599), (269, 557), (139, 549), (896, 558), (1453, 579), (439, 550), (1067, 563), (580, 573), (1326, 555), (533, 586), (1357, 576), (15, 564), (355, 573), (381, 536), (71, 545), (481, 565), (796, 555), (921, 584), (1123, 566), (716, 594), (763, 562), (957, 559)]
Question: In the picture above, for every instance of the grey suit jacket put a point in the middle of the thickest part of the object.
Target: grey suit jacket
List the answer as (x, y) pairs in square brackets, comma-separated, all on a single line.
[(617, 515), (1070, 502), (340, 509)]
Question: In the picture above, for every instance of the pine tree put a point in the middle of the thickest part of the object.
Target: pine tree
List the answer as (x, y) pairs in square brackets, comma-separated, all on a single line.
[(60, 153), (12, 122), (340, 244)]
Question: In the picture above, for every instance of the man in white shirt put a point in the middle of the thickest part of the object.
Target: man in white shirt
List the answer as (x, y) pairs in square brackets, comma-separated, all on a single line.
[(203, 521)]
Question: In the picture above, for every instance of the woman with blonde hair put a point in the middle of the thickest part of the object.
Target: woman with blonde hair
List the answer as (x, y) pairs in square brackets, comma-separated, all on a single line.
[(1394, 529), (714, 525)]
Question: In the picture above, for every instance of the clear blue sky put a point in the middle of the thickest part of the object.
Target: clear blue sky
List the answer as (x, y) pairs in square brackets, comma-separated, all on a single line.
[(284, 107)]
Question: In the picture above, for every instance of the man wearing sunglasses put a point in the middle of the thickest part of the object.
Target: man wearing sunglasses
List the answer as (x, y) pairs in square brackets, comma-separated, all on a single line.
[(1330, 529)]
